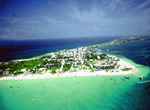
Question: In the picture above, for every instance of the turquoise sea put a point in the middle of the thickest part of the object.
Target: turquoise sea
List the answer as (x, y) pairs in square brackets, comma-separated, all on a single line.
[(88, 92)]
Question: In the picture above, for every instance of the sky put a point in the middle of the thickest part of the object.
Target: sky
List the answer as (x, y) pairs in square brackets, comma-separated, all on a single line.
[(45, 19)]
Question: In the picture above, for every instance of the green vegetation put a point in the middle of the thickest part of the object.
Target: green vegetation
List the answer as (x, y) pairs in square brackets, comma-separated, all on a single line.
[(103, 63), (79, 63), (126, 69), (118, 59), (87, 63), (66, 67), (53, 70), (93, 62), (58, 56), (46, 56), (14, 68), (17, 66), (108, 68), (103, 56), (53, 63)]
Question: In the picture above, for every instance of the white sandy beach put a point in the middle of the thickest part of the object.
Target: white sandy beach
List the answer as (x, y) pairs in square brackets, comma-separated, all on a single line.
[(75, 74)]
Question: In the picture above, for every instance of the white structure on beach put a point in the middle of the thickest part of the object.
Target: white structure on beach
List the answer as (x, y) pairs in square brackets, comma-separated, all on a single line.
[(23, 70)]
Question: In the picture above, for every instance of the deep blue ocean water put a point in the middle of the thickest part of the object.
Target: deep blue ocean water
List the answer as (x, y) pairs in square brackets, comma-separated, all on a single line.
[(138, 51), (20, 49)]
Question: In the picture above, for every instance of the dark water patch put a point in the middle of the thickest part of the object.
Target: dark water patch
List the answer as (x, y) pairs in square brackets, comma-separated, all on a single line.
[(138, 97), (107, 108), (114, 80), (118, 106), (132, 50)]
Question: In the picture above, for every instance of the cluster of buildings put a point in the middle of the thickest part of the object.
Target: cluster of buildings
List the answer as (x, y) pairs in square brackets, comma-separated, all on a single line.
[(81, 58)]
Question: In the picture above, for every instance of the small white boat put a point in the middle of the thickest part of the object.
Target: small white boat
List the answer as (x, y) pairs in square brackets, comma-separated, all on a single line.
[(141, 78)]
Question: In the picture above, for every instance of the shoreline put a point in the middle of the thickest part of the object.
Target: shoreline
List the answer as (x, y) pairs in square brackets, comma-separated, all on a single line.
[(73, 74)]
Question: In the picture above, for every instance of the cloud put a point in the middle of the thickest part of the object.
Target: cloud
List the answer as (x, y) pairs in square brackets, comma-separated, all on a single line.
[(143, 5), (113, 5), (13, 33), (77, 18), (96, 29), (145, 11), (15, 20), (124, 5), (92, 16), (50, 20)]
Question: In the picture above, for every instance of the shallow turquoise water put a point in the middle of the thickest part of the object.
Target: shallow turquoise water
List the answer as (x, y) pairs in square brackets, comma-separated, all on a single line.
[(76, 93)]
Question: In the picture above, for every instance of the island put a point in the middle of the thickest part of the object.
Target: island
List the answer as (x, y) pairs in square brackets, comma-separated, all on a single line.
[(81, 61)]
